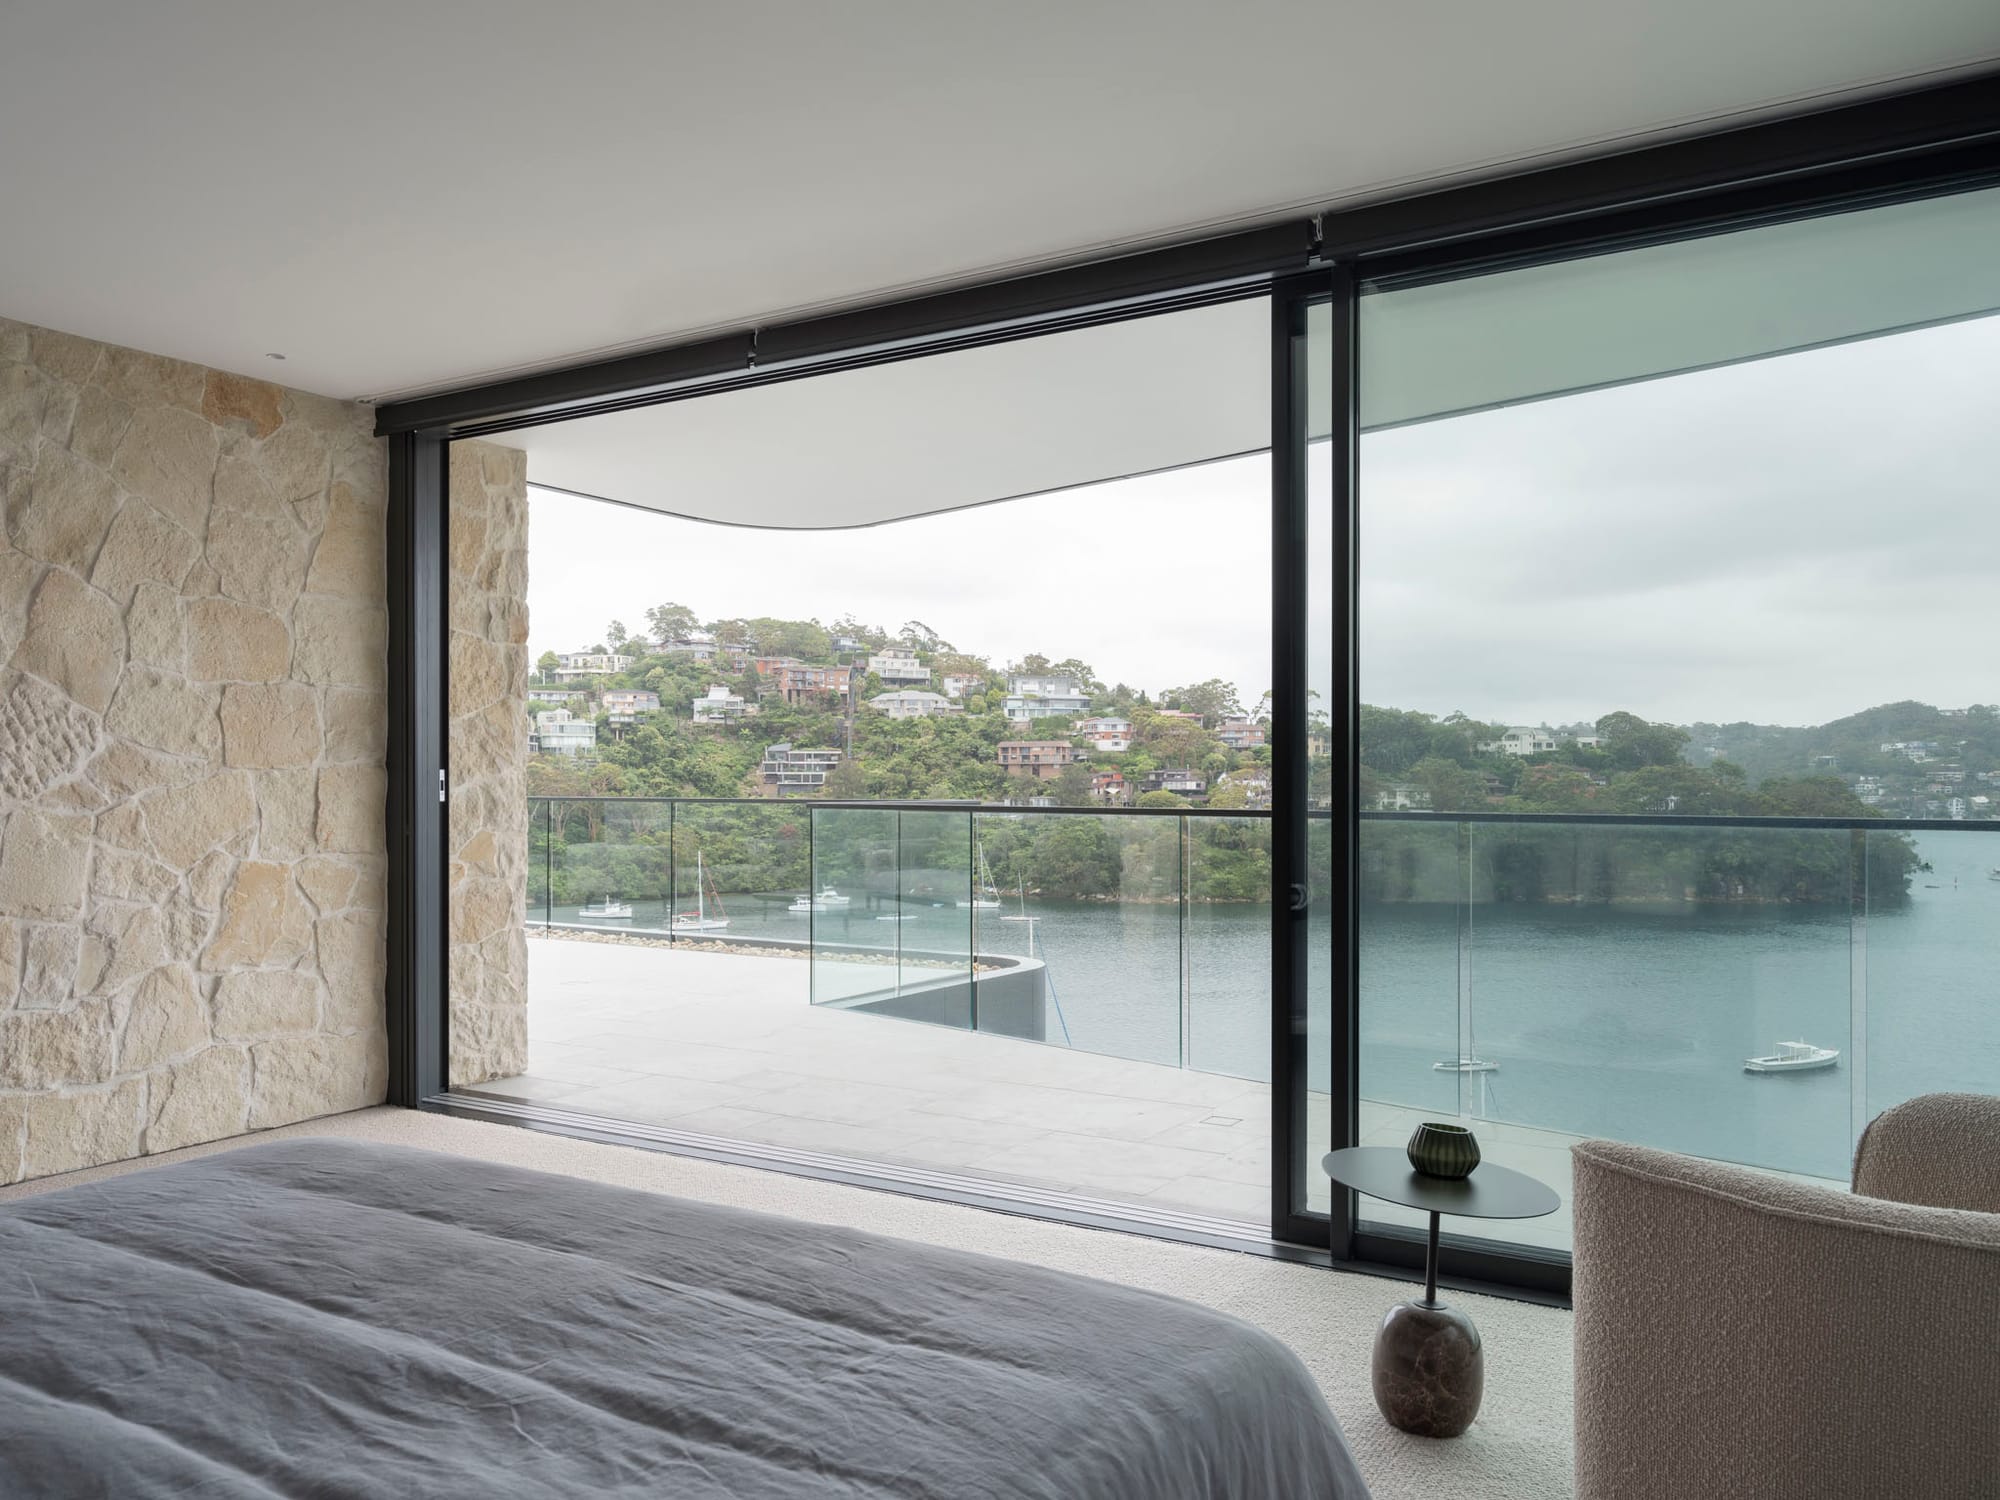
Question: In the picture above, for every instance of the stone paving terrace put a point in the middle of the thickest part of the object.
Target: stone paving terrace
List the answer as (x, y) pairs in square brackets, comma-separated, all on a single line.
[(726, 1044)]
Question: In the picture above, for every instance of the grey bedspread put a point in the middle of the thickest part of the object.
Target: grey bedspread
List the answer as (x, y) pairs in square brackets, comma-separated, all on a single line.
[(324, 1318)]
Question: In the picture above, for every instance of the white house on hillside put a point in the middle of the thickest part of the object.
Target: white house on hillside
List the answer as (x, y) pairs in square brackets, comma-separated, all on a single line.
[(559, 732), (911, 703), (1044, 697), (1521, 741), (718, 706), (898, 664), (1110, 736), (572, 665)]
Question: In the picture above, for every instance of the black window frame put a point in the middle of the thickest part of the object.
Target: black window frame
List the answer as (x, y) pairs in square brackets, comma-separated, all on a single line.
[(1922, 143)]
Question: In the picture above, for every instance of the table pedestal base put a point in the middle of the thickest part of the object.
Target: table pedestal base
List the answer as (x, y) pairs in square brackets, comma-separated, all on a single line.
[(1429, 1369)]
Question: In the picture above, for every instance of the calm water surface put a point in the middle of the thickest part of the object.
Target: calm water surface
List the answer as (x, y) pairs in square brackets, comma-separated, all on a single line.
[(1604, 1020)]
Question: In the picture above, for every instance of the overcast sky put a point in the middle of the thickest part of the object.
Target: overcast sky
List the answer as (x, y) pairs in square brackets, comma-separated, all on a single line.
[(1158, 582), (1785, 541)]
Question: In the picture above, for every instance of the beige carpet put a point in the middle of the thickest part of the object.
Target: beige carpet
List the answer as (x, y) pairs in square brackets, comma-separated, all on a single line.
[(1520, 1446)]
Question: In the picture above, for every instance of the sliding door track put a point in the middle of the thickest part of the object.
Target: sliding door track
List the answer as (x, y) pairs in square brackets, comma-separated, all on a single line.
[(921, 1182), (1018, 1198)]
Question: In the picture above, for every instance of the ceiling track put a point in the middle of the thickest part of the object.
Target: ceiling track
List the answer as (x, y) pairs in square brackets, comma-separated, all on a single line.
[(1926, 141)]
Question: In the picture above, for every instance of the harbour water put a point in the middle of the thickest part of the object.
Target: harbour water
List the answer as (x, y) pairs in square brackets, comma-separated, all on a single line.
[(1624, 1020)]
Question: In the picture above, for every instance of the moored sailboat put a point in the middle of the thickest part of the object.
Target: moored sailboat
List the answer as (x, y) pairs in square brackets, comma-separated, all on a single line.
[(699, 920)]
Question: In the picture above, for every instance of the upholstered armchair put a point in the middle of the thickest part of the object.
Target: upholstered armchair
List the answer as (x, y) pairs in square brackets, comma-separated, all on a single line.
[(1743, 1335)]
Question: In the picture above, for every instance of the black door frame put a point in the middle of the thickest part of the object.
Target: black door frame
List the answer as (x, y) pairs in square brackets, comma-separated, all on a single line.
[(1921, 143)]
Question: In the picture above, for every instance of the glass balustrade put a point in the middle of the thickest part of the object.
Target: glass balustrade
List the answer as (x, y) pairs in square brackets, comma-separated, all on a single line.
[(1749, 991)]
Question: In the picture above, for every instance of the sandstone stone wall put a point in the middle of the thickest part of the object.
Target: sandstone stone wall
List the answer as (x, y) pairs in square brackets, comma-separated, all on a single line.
[(488, 1032), (192, 675)]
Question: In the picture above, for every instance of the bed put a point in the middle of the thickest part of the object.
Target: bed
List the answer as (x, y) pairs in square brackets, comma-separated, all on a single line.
[(327, 1318)]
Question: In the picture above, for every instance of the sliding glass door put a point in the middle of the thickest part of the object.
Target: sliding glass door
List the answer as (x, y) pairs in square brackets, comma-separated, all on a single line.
[(1677, 746)]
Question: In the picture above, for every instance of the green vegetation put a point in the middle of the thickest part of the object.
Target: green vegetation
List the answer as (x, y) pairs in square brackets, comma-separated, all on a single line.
[(1637, 768), (1622, 764), (952, 756)]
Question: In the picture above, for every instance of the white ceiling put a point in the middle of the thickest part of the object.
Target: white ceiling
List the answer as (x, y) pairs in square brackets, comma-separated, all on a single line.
[(864, 446), (888, 441), (404, 195)]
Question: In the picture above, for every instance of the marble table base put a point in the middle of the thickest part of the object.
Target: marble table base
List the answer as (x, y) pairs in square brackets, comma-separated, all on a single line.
[(1429, 1370)]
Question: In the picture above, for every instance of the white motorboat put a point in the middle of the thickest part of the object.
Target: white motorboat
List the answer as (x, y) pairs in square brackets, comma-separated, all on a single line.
[(828, 899), (1472, 1063), (607, 910), (1793, 1057), (699, 920)]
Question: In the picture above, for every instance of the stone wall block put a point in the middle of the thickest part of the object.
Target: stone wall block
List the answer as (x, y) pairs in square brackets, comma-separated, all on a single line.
[(25, 394), (351, 803), (45, 1049), (258, 559), (10, 963), (233, 641), (351, 957), (340, 641), (156, 628), (191, 753), (66, 356), (99, 426), (125, 874), (13, 1132), (143, 547), (329, 882), (169, 456), (64, 511), (252, 1003), (265, 921), (50, 957), (150, 379), (288, 806), (45, 736), (478, 673), (18, 575), (74, 1128), (166, 1020), (164, 712), (269, 726), (187, 927), (123, 769), (186, 822), (75, 639), (489, 755), (300, 1078), (253, 406), (44, 864), (122, 944), (468, 548), (202, 1099), (208, 881), (297, 462), (350, 558), (357, 725)]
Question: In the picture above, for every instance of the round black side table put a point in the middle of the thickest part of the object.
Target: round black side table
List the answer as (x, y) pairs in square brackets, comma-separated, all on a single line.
[(1429, 1370)]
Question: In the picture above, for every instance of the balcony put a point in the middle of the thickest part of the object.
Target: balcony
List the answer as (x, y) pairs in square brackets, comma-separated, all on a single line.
[(1078, 1002)]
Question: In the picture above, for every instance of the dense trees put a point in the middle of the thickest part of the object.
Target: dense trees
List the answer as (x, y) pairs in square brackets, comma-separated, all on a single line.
[(670, 623), (1636, 767)]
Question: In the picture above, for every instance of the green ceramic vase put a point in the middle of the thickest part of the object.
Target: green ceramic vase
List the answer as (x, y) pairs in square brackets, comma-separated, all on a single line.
[(1443, 1150)]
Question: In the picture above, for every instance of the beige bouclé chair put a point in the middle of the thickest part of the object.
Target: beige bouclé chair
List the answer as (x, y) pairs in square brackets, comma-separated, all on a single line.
[(1739, 1334)]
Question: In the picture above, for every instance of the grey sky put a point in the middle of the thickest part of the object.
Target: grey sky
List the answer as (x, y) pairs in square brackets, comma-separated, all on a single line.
[(1158, 581), (1786, 541)]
